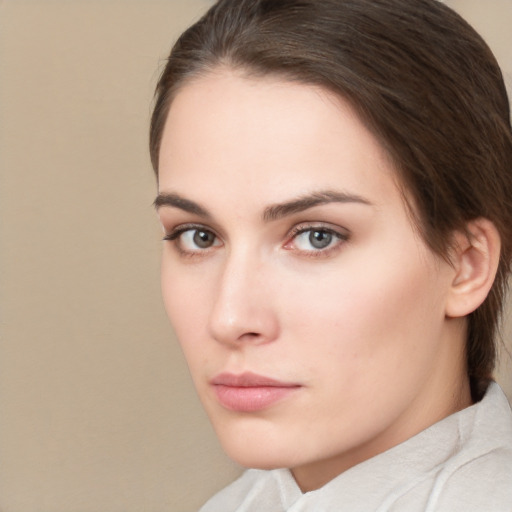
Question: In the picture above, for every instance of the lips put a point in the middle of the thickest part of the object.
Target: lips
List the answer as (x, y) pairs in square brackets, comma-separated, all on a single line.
[(249, 392)]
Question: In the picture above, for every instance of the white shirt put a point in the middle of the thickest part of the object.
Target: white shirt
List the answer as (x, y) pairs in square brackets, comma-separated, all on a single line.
[(461, 464)]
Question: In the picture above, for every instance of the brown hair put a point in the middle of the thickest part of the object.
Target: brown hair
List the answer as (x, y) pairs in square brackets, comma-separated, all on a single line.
[(422, 80)]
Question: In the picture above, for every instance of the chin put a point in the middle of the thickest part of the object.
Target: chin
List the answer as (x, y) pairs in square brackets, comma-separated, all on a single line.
[(258, 457), (259, 448)]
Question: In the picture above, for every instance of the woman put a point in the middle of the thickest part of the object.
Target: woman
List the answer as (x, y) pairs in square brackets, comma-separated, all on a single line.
[(334, 187)]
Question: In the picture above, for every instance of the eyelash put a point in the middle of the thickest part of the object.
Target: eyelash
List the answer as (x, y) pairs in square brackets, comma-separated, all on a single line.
[(292, 236), (175, 234), (311, 228)]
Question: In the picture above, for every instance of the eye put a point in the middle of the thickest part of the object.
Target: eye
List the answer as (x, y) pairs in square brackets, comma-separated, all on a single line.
[(315, 239), (193, 239), (197, 239)]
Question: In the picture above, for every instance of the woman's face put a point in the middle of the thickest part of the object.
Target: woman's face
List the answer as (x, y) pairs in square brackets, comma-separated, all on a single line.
[(310, 312)]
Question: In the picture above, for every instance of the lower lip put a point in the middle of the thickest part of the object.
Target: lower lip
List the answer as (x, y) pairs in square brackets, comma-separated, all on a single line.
[(251, 398)]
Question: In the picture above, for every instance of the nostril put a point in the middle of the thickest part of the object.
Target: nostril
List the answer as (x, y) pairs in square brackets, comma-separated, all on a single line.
[(250, 336)]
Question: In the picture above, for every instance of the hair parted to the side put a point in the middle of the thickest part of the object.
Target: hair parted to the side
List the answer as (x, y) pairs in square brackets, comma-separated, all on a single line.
[(421, 79)]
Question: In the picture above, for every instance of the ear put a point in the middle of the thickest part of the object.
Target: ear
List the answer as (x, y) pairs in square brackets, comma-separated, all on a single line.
[(475, 257)]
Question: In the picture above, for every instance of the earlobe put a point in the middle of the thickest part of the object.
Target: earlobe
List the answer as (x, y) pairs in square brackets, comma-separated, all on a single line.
[(475, 259)]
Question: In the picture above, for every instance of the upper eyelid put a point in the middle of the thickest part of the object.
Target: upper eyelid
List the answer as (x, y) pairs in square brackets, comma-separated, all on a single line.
[(186, 226), (174, 236), (295, 230), (340, 237), (310, 226)]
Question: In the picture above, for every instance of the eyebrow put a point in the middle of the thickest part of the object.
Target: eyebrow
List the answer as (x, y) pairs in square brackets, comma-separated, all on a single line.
[(272, 212), (176, 201), (277, 211)]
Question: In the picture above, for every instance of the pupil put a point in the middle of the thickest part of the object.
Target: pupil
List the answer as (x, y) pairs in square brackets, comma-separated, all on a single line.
[(203, 239), (320, 239)]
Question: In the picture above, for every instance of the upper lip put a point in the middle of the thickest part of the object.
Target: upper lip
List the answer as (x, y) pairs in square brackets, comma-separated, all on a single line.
[(249, 379)]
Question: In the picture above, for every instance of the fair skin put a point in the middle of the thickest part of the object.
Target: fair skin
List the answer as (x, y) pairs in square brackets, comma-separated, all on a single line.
[(290, 254)]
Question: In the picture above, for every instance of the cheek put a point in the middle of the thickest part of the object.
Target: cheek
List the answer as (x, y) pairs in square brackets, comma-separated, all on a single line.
[(185, 300), (368, 318)]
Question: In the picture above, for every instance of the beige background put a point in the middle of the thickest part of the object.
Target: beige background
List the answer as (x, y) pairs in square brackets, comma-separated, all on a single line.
[(97, 412)]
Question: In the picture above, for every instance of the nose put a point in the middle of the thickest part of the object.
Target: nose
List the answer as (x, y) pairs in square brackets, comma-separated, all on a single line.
[(243, 308)]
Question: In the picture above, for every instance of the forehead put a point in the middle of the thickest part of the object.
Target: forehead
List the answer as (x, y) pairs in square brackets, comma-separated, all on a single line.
[(271, 136)]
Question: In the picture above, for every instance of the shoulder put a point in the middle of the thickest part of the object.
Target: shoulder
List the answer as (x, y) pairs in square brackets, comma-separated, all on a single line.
[(479, 476), (481, 484)]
